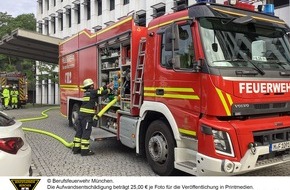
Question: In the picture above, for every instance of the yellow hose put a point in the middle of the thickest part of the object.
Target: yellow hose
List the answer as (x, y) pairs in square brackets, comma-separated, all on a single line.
[(44, 115), (101, 113), (65, 143)]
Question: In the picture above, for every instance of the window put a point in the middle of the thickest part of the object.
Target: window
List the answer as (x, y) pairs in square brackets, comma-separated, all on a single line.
[(39, 28), (185, 53), (53, 24), (46, 27), (112, 5), (182, 2), (99, 5), (259, 46), (79, 13), (40, 7), (60, 20), (54, 2), (47, 4), (88, 9), (77, 9), (140, 19), (126, 2), (69, 17), (158, 10), (180, 5)]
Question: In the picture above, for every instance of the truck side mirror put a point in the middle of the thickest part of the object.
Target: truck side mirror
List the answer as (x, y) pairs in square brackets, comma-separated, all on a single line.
[(172, 38), (214, 47)]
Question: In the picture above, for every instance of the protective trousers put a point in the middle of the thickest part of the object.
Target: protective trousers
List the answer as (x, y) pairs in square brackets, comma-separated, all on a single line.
[(83, 133), (6, 102), (14, 100), (6, 95)]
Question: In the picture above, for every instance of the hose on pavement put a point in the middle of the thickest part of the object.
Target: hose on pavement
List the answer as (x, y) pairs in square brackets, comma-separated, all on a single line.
[(44, 116), (60, 139)]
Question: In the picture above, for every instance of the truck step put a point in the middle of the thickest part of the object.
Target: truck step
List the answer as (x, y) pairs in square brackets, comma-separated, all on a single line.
[(185, 160), (101, 134), (187, 166)]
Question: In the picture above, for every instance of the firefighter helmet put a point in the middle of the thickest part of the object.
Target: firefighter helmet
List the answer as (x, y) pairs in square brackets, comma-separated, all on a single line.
[(88, 82)]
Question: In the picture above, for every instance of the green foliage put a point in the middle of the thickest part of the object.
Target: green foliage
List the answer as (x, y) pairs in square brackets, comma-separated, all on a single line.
[(11, 64), (25, 21), (49, 69), (9, 23), (5, 26)]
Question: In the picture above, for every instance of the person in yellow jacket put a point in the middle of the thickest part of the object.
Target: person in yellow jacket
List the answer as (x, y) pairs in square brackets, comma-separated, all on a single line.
[(2, 99), (14, 97), (6, 96), (87, 112)]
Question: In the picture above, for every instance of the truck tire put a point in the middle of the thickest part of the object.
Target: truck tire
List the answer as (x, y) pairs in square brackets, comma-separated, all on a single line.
[(75, 115), (159, 147)]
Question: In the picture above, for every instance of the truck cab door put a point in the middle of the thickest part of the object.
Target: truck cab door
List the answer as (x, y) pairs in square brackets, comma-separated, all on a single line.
[(178, 75)]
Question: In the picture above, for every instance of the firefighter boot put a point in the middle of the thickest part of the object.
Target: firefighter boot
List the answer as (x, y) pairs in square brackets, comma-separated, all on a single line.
[(77, 146), (85, 151)]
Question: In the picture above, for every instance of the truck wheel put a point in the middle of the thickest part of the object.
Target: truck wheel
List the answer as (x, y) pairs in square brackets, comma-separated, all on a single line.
[(75, 115), (159, 147)]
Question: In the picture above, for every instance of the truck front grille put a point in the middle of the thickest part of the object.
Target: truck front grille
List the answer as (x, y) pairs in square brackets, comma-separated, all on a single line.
[(265, 138), (260, 109), (271, 136), (268, 106), (273, 158)]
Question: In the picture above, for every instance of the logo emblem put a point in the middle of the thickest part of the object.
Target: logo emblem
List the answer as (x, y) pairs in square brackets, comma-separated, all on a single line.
[(25, 184)]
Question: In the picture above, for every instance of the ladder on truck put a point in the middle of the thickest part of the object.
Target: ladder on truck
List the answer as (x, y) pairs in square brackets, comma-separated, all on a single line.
[(138, 80)]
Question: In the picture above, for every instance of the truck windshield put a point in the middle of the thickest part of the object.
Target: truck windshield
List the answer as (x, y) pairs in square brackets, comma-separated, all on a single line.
[(230, 44)]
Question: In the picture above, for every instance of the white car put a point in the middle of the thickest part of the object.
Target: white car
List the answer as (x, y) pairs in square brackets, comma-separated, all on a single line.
[(15, 152)]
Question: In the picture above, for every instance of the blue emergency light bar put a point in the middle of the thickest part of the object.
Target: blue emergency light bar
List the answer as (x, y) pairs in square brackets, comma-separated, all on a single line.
[(269, 9), (205, 1)]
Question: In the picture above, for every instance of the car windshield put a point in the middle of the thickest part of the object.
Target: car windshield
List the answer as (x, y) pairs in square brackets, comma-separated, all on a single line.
[(6, 120), (231, 44)]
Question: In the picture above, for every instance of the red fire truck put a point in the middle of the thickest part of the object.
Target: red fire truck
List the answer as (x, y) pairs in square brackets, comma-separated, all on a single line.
[(204, 90), (16, 79)]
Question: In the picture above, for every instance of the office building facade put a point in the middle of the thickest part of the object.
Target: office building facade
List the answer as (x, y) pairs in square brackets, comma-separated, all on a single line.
[(64, 18)]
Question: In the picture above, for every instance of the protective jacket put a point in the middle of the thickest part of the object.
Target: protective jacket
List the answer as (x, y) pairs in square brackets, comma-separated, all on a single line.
[(90, 100), (14, 98), (85, 120)]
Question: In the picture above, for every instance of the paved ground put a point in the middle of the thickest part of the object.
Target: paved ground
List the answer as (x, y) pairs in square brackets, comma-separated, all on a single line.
[(51, 158)]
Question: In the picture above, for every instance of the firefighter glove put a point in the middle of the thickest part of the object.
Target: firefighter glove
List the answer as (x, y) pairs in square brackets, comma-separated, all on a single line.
[(96, 118)]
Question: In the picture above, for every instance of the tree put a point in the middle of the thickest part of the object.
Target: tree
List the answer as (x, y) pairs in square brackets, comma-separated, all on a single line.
[(9, 64), (5, 21), (7, 25)]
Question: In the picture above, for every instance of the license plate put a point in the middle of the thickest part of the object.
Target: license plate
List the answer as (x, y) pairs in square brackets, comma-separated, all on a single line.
[(280, 146)]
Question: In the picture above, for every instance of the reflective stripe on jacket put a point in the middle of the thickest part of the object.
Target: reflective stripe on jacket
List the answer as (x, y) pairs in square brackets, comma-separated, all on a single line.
[(90, 99)]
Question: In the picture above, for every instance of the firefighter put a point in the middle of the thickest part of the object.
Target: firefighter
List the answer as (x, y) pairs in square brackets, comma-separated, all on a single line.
[(14, 97), (6, 96), (87, 112), (1, 96)]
